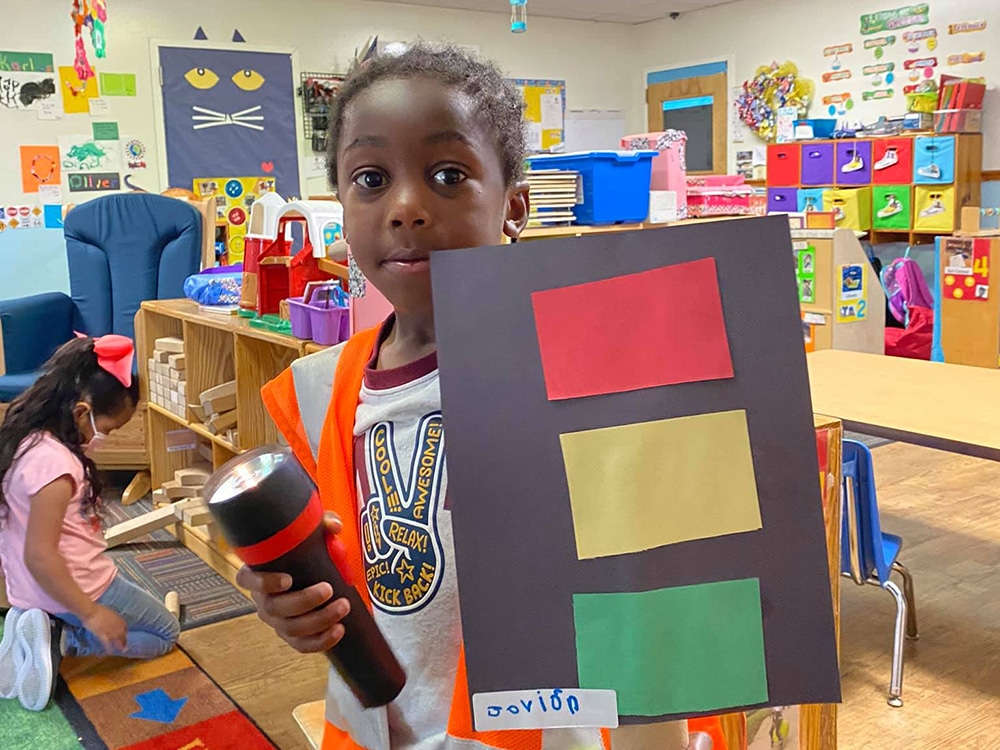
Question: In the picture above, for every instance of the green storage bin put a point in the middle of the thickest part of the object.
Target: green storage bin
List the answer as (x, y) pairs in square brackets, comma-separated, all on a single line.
[(892, 207)]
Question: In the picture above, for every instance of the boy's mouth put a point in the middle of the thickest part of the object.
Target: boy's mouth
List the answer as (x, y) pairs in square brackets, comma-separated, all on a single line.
[(406, 262)]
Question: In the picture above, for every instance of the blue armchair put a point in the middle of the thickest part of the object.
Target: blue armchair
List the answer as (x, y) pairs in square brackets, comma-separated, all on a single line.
[(122, 249)]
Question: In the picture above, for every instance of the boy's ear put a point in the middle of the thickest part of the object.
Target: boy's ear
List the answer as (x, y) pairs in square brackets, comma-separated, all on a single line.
[(518, 208)]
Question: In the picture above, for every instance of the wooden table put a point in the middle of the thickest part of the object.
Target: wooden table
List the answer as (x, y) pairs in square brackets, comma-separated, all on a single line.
[(948, 407)]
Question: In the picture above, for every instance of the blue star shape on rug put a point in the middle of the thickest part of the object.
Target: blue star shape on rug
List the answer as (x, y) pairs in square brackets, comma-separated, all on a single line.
[(157, 706)]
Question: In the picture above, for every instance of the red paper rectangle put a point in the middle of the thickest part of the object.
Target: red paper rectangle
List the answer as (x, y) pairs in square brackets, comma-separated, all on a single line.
[(659, 327)]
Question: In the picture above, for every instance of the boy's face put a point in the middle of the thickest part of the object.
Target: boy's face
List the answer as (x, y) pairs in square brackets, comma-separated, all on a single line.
[(418, 173)]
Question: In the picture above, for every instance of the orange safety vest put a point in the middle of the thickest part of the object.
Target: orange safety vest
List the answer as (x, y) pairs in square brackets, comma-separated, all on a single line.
[(333, 472)]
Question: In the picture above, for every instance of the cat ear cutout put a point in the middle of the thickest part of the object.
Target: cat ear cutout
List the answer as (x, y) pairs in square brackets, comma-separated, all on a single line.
[(237, 36), (200, 35)]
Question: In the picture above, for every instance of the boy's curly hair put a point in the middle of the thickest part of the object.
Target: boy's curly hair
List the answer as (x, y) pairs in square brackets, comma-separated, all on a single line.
[(498, 102)]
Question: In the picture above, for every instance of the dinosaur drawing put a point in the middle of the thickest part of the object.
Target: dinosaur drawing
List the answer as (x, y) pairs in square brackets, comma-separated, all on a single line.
[(84, 156)]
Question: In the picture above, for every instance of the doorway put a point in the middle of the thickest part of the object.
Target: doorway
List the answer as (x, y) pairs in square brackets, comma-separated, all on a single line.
[(696, 100)]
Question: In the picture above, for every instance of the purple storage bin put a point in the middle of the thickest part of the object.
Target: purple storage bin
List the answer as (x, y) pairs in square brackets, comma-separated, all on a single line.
[(817, 164), (300, 317), (328, 323), (846, 153), (782, 200)]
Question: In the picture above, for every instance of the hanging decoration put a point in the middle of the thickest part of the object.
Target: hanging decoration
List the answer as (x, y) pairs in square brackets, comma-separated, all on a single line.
[(518, 16), (773, 87), (92, 14)]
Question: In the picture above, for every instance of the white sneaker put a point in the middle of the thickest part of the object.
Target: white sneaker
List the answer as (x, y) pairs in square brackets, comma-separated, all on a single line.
[(931, 172), (890, 159), (854, 165), (892, 207), (10, 657), (937, 207), (35, 675)]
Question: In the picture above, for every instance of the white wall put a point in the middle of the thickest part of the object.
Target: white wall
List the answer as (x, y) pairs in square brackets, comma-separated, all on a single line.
[(591, 57), (752, 33)]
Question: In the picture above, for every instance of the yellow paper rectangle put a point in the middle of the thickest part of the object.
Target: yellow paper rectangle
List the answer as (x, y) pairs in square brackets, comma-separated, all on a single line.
[(646, 485)]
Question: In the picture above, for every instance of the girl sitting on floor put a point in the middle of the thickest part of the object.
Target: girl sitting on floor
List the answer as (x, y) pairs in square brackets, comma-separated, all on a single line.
[(66, 595)]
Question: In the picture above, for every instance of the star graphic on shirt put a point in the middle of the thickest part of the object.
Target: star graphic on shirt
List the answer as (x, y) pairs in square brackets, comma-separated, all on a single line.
[(405, 571)]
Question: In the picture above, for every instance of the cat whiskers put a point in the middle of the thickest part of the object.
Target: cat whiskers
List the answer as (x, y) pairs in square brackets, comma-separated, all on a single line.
[(209, 118)]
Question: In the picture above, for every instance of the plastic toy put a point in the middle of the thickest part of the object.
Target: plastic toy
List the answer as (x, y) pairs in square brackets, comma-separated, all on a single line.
[(263, 229)]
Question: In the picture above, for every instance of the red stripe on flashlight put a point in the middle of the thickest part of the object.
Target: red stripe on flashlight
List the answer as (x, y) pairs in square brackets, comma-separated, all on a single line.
[(285, 540)]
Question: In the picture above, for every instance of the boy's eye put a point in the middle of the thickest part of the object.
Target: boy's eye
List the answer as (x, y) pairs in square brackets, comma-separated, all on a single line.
[(448, 177), (370, 180)]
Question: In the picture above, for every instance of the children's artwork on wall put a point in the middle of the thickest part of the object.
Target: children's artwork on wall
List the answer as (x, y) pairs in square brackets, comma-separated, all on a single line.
[(76, 94), (234, 196), (545, 113), (81, 153), (966, 58), (21, 217), (648, 521), (117, 84), (880, 44), (92, 15), (229, 112), (772, 88), (39, 166), (26, 62), (967, 27), (27, 90), (135, 155), (893, 20)]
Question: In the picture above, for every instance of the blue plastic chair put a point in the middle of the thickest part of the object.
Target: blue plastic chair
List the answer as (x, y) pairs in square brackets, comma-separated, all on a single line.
[(868, 555)]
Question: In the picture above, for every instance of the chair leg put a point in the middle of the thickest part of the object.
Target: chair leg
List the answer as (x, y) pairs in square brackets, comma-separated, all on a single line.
[(911, 602), (896, 681)]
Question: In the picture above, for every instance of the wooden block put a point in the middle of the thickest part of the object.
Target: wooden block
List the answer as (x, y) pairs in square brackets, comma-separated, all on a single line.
[(199, 412), (182, 390), (177, 361), (186, 504), (197, 516), (139, 526), (173, 604), (176, 376), (170, 344), (160, 357), (221, 422), (205, 451), (220, 398), (160, 497), (194, 476), (174, 490), (137, 488)]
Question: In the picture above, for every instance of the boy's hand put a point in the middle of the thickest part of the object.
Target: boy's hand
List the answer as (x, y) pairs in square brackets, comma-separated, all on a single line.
[(291, 614), (109, 627)]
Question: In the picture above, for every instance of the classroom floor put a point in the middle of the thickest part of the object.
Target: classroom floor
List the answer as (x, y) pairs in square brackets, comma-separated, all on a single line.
[(946, 508)]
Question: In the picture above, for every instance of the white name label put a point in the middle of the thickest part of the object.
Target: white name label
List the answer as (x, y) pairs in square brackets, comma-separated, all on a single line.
[(549, 708)]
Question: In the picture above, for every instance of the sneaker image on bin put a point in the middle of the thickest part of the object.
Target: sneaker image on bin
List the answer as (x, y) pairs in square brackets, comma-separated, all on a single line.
[(890, 159), (892, 207)]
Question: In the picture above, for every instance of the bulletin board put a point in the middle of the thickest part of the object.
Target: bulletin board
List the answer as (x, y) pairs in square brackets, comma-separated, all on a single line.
[(545, 113)]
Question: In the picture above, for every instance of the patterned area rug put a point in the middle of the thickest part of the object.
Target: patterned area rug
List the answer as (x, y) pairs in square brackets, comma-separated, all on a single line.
[(159, 563), (118, 704)]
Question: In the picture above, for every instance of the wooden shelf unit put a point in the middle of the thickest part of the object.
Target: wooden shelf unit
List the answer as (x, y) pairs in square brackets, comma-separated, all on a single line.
[(219, 348)]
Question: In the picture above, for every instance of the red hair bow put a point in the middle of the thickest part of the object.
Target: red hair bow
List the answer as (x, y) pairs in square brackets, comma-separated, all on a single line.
[(114, 355)]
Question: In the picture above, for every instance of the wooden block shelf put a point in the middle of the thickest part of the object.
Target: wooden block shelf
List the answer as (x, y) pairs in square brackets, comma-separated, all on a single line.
[(217, 350)]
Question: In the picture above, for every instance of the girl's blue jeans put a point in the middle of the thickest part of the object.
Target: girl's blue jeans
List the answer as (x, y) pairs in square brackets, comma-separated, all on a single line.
[(152, 630)]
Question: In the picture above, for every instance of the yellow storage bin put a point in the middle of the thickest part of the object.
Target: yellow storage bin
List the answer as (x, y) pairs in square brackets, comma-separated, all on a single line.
[(853, 207), (934, 208)]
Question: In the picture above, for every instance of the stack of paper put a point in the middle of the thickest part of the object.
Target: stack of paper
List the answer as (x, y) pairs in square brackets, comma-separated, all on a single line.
[(553, 194)]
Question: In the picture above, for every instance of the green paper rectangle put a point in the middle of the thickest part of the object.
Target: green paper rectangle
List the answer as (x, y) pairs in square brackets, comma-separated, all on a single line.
[(678, 650), (26, 62), (117, 84), (105, 131)]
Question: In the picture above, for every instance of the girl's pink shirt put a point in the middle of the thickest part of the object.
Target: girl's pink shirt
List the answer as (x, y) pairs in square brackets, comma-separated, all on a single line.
[(80, 544)]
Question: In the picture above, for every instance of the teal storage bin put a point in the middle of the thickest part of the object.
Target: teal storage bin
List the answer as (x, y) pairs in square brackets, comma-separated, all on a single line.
[(811, 200), (934, 160), (615, 183)]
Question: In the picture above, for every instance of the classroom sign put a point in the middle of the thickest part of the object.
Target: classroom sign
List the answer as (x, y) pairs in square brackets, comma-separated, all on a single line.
[(233, 198), (967, 269), (636, 505), (899, 18), (852, 298)]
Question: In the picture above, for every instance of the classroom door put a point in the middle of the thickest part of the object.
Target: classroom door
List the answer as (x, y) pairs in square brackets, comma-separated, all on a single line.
[(698, 106), (229, 113)]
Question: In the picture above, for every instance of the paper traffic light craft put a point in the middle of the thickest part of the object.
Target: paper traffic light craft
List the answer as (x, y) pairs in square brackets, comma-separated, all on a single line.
[(632, 467)]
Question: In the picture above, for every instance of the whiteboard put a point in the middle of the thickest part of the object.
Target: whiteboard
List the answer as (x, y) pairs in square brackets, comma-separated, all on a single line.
[(594, 129)]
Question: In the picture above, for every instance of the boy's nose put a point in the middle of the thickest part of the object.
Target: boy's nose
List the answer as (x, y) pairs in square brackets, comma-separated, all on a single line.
[(408, 209)]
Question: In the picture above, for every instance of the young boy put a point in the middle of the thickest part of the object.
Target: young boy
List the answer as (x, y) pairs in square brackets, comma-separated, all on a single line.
[(426, 153)]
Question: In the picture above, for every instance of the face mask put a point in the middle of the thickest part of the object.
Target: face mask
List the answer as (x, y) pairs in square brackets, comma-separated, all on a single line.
[(97, 440)]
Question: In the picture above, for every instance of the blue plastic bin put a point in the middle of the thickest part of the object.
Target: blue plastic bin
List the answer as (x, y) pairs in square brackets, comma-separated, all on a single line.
[(615, 183)]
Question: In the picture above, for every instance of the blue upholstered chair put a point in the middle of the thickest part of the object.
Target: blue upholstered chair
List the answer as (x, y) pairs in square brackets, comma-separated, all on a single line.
[(122, 250), (868, 555)]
